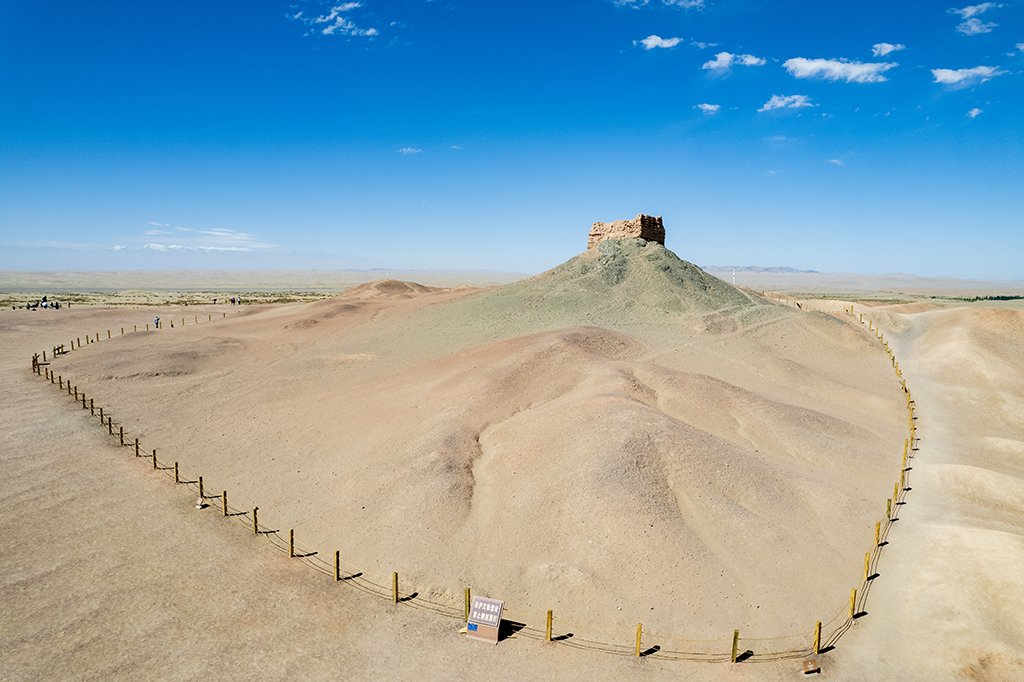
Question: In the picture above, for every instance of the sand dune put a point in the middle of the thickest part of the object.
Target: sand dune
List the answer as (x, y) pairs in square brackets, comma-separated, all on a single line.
[(696, 456), (642, 469)]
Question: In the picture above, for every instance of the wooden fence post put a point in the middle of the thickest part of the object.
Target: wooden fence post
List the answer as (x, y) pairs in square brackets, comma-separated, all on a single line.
[(136, 447), (549, 626), (867, 564), (817, 638), (337, 565), (201, 496), (878, 530), (255, 522), (468, 601), (224, 501), (639, 635), (176, 478), (291, 542), (121, 428), (154, 459), (735, 643), (92, 408), (394, 587), (853, 602)]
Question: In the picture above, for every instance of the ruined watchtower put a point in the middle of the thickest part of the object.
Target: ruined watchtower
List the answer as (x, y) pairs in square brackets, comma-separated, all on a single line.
[(641, 227)]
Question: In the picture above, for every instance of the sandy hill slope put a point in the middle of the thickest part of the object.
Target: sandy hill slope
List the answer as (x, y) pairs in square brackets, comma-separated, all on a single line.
[(623, 438)]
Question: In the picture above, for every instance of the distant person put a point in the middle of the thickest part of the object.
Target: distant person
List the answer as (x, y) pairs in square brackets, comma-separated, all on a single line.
[(156, 321), (215, 301)]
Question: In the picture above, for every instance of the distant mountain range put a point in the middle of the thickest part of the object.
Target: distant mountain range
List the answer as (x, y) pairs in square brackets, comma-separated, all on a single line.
[(752, 268)]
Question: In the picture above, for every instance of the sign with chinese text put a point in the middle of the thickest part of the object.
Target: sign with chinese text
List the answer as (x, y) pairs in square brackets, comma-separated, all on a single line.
[(484, 619)]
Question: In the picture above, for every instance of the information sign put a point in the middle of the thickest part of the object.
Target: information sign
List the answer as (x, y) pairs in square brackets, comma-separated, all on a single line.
[(484, 619)]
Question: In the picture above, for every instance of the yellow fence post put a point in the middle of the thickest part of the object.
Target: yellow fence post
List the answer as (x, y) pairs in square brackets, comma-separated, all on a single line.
[(853, 602), (201, 495), (176, 479), (92, 408), (121, 432), (878, 530), (467, 604), (154, 459), (817, 638), (394, 587), (867, 565), (639, 635), (549, 626), (888, 509), (735, 644), (224, 501)]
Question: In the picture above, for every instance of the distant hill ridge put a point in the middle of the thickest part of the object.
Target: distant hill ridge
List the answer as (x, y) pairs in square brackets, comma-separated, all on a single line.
[(755, 268)]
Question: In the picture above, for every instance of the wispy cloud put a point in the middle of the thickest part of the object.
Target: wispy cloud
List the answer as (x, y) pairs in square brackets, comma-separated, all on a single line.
[(836, 162), (708, 108), (833, 70), (882, 49), (787, 102), (637, 4), (337, 21), (973, 113), (963, 77), (652, 41), (213, 239), (973, 10), (703, 46), (724, 60), (1020, 46), (971, 25), (410, 150)]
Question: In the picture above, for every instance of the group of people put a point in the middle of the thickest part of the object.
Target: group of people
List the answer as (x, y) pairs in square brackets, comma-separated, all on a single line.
[(42, 303)]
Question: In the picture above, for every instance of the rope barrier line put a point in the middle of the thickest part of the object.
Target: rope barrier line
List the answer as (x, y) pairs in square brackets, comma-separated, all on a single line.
[(359, 579)]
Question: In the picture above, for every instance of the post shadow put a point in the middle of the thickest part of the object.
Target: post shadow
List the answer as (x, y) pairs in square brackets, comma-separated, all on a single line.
[(653, 650)]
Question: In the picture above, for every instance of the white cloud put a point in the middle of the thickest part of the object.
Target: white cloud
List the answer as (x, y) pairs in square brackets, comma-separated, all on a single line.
[(787, 102), (708, 108), (410, 150), (155, 247), (973, 27), (882, 49), (118, 248), (973, 113), (159, 224), (152, 233), (456, 146), (836, 162), (723, 60), (1020, 46), (979, 74), (702, 46), (973, 10), (636, 4), (338, 23), (832, 69), (652, 41)]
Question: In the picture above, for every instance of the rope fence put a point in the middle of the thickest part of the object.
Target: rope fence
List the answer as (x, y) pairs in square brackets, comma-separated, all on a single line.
[(736, 649)]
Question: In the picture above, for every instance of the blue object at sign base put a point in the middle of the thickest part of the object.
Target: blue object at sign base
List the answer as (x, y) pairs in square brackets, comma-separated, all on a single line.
[(471, 627)]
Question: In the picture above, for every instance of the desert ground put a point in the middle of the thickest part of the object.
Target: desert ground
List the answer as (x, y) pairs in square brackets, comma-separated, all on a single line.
[(623, 439)]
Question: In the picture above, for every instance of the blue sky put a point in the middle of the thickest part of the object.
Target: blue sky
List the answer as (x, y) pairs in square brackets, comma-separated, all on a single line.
[(862, 136)]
